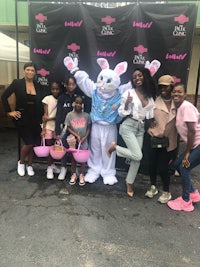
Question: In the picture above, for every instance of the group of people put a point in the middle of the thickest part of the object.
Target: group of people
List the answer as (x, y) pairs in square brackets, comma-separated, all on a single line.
[(159, 110)]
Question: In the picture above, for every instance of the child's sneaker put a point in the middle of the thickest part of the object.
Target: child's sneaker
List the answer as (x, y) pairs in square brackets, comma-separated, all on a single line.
[(81, 180), (55, 169), (50, 172), (165, 197), (151, 192), (195, 196), (30, 171), (73, 179), (62, 174), (20, 169), (180, 204)]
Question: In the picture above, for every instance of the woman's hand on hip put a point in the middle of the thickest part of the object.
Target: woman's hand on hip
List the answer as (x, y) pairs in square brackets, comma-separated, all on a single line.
[(14, 114)]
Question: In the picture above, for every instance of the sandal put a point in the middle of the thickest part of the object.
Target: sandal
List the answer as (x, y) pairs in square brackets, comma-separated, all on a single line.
[(81, 180), (130, 191), (73, 179)]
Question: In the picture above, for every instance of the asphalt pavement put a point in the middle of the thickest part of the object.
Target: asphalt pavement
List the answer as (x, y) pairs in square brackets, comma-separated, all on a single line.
[(48, 223)]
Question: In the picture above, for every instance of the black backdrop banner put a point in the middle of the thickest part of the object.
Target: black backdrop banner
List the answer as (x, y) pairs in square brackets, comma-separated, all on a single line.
[(133, 33)]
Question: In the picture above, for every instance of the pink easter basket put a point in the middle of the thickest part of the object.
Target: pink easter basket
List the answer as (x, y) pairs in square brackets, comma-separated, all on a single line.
[(42, 151), (57, 151), (81, 156)]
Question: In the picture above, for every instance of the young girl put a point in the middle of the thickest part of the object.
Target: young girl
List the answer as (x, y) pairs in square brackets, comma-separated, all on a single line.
[(48, 130), (78, 124), (64, 106)]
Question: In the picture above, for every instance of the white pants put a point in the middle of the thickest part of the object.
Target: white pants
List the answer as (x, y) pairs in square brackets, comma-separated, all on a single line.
[(99, 163)]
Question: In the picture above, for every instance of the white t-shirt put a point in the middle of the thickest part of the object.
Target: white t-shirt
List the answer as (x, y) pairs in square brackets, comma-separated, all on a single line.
[(51, 101), (188, 113)]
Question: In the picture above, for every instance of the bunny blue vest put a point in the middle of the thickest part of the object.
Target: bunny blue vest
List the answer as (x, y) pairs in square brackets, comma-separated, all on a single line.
[(105, 109)]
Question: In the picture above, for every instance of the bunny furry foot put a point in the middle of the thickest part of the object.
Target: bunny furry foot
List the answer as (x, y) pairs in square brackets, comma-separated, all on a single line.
[(91, 177), (110, 180)]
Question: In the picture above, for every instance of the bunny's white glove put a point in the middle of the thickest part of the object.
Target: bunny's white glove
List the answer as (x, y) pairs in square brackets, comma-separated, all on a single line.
[(70, 64)]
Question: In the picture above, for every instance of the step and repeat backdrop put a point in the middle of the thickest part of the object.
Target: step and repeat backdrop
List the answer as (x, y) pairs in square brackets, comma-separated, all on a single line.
[(134, 33)]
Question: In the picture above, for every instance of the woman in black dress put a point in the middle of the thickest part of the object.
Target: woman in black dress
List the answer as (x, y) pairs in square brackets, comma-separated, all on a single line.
[(27, 115)]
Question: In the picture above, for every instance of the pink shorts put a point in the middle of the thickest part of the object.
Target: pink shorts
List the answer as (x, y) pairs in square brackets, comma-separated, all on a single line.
[(50, 134)]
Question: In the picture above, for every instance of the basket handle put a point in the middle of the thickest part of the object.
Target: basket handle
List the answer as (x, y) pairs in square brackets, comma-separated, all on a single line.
[(79, 145), (59, 143), (43, 141)]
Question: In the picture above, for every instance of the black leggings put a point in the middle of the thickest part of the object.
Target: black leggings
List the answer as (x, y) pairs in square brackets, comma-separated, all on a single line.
[(159, 159)]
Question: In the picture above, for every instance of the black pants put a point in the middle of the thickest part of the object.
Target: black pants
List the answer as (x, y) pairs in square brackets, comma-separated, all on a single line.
[(159, 159)]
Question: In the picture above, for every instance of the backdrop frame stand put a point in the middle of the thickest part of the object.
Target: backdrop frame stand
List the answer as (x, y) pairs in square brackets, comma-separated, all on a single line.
[(17, 68)]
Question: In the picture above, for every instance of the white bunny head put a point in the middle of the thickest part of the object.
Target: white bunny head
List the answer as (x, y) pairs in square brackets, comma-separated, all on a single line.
[(109, 80)]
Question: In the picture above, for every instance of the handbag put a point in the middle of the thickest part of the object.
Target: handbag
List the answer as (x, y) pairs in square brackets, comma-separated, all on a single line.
[(159, 142)]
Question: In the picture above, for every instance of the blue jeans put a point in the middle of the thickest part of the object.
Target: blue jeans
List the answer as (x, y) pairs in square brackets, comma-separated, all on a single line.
[(132, 132), (194, 160)]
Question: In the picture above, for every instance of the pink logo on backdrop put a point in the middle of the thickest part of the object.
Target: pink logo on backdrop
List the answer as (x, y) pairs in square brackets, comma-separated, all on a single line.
[(176, 79), (42, 51), (175, 56), (108, 20), (73, 23), (140, 49), (74, 47), (43, 72), (181, 19), (142, 25), (105, 54), (41, 17)]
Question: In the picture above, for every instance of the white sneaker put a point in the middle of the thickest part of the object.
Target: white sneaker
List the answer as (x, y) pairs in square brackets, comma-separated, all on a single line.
[(30, 171), (50, 172), (165, 197), (177, 174), (62, 174), (55, 168), (20, 169), (151, 192)]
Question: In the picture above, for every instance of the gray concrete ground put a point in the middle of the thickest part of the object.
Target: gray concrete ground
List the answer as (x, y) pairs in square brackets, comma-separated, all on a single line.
[(51, 224)]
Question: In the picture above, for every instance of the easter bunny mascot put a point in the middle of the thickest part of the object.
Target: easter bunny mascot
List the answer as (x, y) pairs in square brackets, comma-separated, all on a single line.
[(106, 97)]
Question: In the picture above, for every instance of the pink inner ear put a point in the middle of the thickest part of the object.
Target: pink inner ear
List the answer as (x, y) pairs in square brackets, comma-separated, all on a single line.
[(103, 65), (70, 65), (119, 69), (152, 69)]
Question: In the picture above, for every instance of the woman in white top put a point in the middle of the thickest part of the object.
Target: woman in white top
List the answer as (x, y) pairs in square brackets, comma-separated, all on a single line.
[(137, 105)]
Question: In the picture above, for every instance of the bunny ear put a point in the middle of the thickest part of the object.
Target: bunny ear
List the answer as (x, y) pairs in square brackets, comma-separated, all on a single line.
[(68, 62), (103, 63), (121, 68), (147, 64), (154, 66)]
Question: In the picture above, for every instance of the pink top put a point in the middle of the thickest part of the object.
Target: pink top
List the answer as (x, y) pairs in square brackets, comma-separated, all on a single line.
[(188, 113)]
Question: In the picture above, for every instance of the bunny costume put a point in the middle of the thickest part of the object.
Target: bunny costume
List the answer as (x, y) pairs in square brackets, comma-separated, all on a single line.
[(106, 99)]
